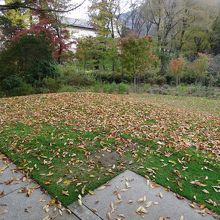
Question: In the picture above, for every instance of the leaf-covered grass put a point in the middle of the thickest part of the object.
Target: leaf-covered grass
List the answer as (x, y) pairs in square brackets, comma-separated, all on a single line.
[(60, 138)]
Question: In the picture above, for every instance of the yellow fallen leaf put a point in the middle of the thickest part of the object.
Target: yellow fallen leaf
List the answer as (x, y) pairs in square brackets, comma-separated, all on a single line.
[(67, 182), (2, 169), (52, 202)]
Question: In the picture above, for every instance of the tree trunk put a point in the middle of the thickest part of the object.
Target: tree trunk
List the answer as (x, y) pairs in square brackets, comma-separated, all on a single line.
[(163, 67)]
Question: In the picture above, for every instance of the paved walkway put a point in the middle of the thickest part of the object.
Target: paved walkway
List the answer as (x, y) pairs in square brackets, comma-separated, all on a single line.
[(22, 198), (132, 197), (128, 196)]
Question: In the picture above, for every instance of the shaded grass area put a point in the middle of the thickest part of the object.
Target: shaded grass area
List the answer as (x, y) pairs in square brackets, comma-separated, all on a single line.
[(62, 160)]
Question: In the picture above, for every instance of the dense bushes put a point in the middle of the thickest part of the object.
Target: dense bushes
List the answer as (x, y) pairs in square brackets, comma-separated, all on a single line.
[(124, 60), (73, 76), (28, 67), (111, 88), (138, 63), (25, 64)]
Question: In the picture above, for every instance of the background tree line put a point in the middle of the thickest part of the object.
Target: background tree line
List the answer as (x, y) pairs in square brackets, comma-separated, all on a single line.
[(155, 42)]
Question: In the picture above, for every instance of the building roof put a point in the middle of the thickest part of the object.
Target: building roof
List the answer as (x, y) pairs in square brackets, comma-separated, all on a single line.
[(80, 23)]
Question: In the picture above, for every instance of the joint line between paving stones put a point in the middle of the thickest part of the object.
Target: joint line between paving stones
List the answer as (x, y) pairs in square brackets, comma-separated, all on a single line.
[(76, 215), (93, 212)]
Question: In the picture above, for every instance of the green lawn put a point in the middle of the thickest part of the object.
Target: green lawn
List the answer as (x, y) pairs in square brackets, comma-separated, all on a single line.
[(60, 138), (199, 104)]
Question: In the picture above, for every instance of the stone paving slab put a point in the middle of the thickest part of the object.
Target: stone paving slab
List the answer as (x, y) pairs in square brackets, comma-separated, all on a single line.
[(83, 212), (128, 196), (9, 179), (119, 200), (15, 204)]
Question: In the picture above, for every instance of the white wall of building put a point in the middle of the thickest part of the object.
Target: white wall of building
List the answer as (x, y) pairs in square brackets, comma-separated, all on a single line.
[(77, 33)]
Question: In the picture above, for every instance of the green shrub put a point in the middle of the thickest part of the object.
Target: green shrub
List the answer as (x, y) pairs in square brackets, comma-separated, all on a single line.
[(23, 89), (2, 94), (123, 88), (110, 77), (52, 85), (10, 82), (66, 69), (24, 64), (97, 87), (70, 75), (110, 88), (66, 88)]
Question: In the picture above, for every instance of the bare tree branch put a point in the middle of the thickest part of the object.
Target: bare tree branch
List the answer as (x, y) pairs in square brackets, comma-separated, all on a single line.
[(33, 7)]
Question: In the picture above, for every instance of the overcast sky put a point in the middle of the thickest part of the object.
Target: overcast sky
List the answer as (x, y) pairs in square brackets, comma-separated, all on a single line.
[(82, 12)]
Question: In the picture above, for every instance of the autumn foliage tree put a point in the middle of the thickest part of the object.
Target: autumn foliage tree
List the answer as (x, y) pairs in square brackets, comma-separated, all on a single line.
[(97, 53), (176, 68), (137, 55), (200, 67), (59, 43)]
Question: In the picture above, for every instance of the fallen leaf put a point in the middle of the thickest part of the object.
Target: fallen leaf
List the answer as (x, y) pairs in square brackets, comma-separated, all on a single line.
[(65, 193), (46, 218), (80, 200), (149, 204), (160, 195), (141, 210), (108, 215), (205, 191), (197, 183), (67, 182), (142, 199), (2, 169), (59, 181)]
